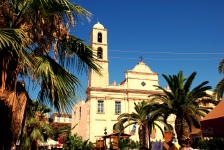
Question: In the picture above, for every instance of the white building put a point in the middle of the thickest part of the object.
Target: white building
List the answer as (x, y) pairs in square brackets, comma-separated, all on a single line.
[(61, 118), (106, 102)]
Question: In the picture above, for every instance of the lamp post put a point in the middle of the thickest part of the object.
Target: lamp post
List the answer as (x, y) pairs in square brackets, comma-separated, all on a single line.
[(105, 130), (105, 133)]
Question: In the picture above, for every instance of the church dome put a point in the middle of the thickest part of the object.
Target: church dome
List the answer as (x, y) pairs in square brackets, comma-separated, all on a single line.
[(98, 26), (142, 67)]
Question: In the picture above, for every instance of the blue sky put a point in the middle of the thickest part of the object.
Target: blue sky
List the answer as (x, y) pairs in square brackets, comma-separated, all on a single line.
[(170, 35)]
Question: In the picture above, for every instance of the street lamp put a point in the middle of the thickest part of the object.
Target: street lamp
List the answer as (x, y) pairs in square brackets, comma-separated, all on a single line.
[(105, 131)]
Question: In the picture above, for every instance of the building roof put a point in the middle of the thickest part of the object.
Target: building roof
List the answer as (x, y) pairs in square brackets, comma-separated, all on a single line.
[(142, 67), (98, 26), (60, 115), (217, 112), (212, 124)]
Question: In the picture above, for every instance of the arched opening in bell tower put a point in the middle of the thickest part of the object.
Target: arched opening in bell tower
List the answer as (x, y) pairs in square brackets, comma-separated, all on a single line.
[(99, 53), (99, 37)]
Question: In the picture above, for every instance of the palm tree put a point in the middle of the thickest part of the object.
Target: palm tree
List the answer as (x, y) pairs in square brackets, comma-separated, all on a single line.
[(36, 47), (219, 89), (36, 128), (156, 118), (184, 102), (145, 116)]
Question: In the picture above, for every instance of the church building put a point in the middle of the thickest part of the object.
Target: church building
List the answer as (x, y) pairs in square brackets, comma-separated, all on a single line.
[(98, 114)]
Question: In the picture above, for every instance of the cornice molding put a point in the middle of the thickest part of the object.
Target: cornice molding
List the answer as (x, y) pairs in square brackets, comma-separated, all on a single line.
[(99, 44), (101, 60), (134, 91)]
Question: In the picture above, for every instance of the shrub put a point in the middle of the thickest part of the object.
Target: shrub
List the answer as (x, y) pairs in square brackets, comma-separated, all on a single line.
[(212, 144)]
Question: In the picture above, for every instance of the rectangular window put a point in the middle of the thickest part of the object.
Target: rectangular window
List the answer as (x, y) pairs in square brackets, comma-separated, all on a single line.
[(117, 107), (100, 107)]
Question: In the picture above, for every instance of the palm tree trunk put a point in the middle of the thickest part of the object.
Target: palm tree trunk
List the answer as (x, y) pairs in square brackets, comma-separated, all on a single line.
[(179, 129), (182, 130), (5, 130), (18, 114), (12, 102), (143, 137), (23, 124), (148, 134), (149, 141)]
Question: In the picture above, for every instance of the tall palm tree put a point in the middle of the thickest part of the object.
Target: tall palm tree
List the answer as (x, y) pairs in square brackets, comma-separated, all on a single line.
[(146, 117), (156, 119), (36, 47), (184, 102), (219, 89), (36, 128)]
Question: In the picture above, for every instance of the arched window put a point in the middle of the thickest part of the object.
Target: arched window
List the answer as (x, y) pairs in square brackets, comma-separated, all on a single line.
[(99, 53), (100, 37)]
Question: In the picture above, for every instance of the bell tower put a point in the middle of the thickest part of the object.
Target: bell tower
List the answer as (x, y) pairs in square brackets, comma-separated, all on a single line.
[(98, 42)]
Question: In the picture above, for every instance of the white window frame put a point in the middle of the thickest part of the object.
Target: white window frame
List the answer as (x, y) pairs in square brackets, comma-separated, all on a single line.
[(117, 107), (100, 106)]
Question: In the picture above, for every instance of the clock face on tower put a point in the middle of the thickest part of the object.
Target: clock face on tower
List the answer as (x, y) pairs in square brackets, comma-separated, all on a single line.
[(143, 83)]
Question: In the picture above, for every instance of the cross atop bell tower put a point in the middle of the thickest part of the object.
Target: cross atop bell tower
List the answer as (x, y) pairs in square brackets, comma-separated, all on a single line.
[(98, 42)]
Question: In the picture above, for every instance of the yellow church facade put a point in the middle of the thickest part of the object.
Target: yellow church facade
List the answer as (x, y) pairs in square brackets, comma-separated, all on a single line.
[(97, 115)]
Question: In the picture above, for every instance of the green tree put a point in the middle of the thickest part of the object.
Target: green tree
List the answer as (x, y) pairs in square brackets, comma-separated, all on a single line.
[(146, 117), (75, 142), (36, 126), (61, 131), (36, 47), (184, 102), (219, 89), (126, 144)]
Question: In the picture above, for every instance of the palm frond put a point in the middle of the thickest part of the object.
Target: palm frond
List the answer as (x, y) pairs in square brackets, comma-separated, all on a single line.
[(63, 8), (37, 134), (189, 81), (12, 38), (182, 101), (72, 51), (32, 121), (221, 66), (219, 89), (159, 127), (58, 86), (27, 143), (46, 128)]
